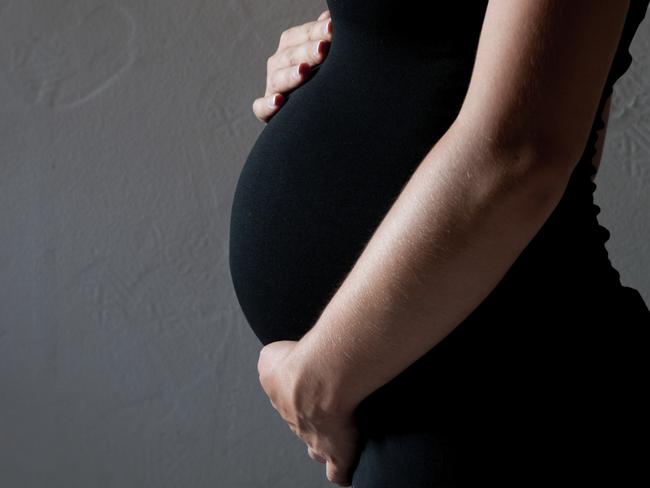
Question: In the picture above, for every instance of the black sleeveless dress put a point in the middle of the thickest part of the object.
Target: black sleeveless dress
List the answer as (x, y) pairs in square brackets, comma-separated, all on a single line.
[(557, 335)]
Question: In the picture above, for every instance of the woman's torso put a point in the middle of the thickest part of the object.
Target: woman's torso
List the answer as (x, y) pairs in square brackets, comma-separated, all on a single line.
[(328, 166)]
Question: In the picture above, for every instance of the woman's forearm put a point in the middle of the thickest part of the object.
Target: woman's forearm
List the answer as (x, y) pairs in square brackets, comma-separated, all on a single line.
[(460, 222)]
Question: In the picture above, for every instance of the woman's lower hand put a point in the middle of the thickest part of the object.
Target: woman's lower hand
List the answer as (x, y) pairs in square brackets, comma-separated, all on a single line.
[(332, 437)]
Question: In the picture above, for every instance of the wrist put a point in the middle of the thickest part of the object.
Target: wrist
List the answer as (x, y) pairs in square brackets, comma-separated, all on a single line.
[(319, 387)]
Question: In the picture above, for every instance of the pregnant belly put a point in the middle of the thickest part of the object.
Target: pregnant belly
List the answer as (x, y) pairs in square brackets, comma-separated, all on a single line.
[(323, 173)]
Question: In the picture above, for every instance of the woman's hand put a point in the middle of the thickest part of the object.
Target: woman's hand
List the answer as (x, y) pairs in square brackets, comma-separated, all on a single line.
[(300, 48), (332, 437)]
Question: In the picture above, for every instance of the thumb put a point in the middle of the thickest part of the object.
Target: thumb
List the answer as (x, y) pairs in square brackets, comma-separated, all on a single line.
[(272, 353)]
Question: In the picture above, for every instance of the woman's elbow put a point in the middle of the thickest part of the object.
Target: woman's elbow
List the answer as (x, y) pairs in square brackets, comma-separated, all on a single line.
[(524, 149)]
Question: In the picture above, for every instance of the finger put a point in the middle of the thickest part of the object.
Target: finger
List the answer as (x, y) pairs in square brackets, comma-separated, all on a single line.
[(337, 475), (311, 52), (263, 107), (325, 15), (297, 62), (310, 31), (315, 456), (288, 78)]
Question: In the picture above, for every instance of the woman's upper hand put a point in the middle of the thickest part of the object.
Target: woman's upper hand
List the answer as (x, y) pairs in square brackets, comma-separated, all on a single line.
[(300, 48)]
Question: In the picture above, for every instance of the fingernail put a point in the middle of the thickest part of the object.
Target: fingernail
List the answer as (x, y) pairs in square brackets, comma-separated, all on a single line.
[(272, 101), (326, 29), (317, 48)]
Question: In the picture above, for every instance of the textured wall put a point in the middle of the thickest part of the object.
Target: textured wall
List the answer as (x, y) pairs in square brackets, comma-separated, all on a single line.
[(623, 179), (124, 358)]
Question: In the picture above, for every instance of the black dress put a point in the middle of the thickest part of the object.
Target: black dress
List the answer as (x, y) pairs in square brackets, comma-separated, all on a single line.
[(545, 375)]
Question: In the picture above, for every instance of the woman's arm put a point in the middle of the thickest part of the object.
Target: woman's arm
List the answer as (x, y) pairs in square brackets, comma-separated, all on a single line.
[(473, 204)]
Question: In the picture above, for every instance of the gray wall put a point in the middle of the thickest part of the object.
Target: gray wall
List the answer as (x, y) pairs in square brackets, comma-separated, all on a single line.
[(124, 358)]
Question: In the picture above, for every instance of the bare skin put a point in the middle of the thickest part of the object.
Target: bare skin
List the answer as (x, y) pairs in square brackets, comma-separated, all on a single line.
[(470, 208), (300, 48)]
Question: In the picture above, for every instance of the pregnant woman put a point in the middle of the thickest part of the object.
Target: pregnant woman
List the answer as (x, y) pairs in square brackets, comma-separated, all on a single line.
[(414, 240)]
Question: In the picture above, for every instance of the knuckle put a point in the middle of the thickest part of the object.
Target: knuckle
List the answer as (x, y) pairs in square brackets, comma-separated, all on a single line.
[(314, 30), (298, 55), (292, 73), (285, 59), (291, 58), (277, 84), (271, 84), (315, 52)]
